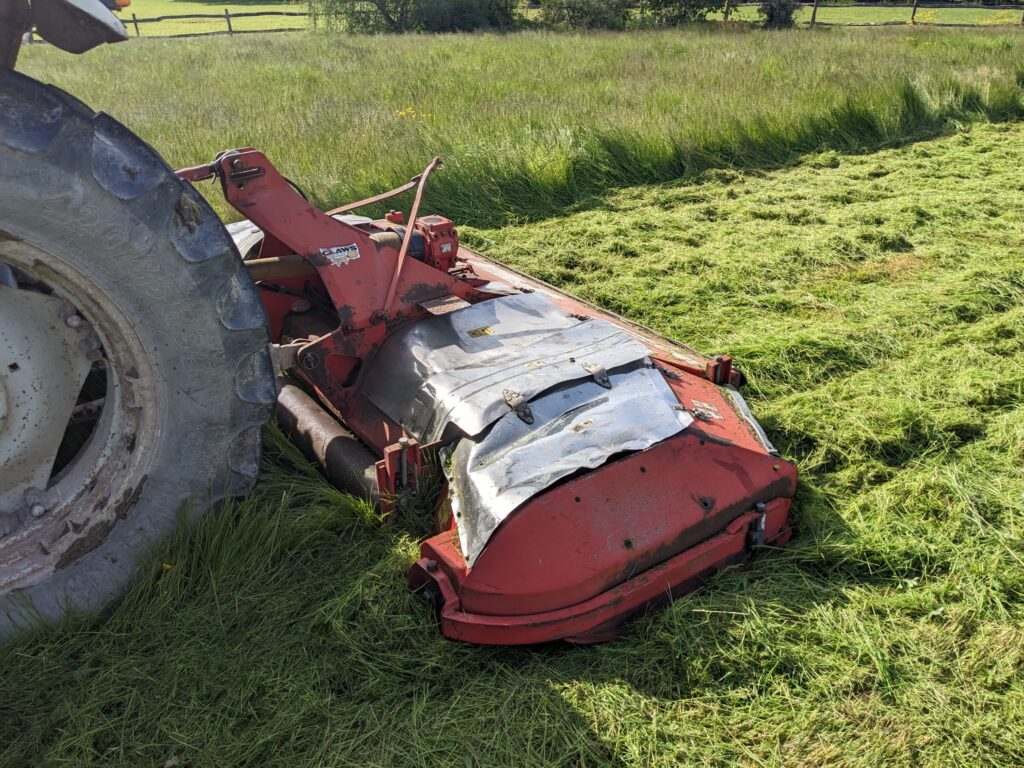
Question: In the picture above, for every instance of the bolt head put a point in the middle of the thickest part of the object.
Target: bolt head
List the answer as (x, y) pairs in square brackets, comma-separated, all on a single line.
[(74, 321), (37, 510), (431, 565)]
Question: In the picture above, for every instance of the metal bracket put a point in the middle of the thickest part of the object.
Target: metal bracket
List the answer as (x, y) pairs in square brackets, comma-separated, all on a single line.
[(518, 404), (284, 356), (756, 537), (241, 173), (718, 370), (399, 471), (599, 373)]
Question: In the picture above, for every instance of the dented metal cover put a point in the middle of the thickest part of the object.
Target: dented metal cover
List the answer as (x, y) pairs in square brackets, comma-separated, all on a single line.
[(467, 366), (579, 426)]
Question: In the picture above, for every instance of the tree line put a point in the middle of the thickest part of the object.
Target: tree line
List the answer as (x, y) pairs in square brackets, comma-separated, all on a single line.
[(378, 16)]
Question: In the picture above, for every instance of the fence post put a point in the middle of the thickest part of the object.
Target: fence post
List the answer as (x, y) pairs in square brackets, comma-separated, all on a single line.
[(814, 13), (135, 23), (913, 12), (227, 18)]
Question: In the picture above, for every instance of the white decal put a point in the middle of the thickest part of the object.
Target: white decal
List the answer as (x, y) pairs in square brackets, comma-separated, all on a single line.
[(340, 255), (446, 247)]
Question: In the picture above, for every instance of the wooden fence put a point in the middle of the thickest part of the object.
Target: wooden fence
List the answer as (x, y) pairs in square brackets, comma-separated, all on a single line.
[(913, 13), (135, 24), (226, 17)]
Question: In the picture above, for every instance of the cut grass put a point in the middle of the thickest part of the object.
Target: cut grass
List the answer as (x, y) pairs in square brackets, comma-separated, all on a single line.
[(531, 125), (877, 304)]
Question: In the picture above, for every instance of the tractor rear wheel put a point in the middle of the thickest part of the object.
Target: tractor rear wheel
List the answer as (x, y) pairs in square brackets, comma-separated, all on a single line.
[(134, 366)]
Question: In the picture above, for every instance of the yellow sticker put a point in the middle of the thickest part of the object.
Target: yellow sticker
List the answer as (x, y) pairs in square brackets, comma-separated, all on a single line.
[(485, 331)]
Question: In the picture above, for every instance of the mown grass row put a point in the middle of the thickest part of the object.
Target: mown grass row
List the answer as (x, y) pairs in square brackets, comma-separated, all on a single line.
[(531, 125), (877, 304)]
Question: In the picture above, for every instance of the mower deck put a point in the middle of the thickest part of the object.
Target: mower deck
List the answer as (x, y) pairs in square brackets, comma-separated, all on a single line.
[(592, 467)]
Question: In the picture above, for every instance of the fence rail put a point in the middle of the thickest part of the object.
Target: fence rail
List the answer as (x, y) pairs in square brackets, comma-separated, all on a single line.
[(914, 7), (226, 17), (134, 22), (967, 6)]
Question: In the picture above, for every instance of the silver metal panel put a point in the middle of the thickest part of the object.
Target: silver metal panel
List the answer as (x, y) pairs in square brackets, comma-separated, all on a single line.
[(744, 411), (455, 368), (577, 427)]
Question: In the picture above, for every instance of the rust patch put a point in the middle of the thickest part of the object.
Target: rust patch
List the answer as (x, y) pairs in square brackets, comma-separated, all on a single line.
[(128, 500), (85, 544), (95, 535), (420, 292), (77, 527)]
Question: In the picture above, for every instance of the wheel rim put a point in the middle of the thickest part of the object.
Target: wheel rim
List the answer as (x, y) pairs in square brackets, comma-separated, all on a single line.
[(95, 471)]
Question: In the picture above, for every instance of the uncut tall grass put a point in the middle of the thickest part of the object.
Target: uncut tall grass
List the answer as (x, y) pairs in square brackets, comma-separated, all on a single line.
[(531, 124)]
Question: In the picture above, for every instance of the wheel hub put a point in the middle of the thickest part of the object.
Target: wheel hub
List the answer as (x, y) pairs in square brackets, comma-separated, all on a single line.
[(42, 369)]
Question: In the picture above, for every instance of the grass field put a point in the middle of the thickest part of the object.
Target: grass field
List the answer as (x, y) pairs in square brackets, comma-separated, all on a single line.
[(875, 299), (530, 125), (148, 9), (826, 15)]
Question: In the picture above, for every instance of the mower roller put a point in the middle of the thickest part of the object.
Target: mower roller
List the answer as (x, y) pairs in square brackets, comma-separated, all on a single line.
[(579, 467)]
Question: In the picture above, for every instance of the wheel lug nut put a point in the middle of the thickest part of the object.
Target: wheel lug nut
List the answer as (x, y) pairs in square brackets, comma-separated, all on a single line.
[(37, 510), (73, 321)]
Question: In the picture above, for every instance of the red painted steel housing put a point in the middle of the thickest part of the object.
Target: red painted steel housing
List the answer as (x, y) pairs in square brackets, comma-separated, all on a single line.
[(576, 560)]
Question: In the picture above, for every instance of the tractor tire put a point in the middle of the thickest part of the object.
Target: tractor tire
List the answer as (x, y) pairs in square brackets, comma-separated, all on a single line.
[(91, 213)]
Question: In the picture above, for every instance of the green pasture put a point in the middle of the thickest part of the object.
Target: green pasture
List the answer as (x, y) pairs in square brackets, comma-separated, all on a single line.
[(148, 9), (841, 210), (827, 14), (530, 125)]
